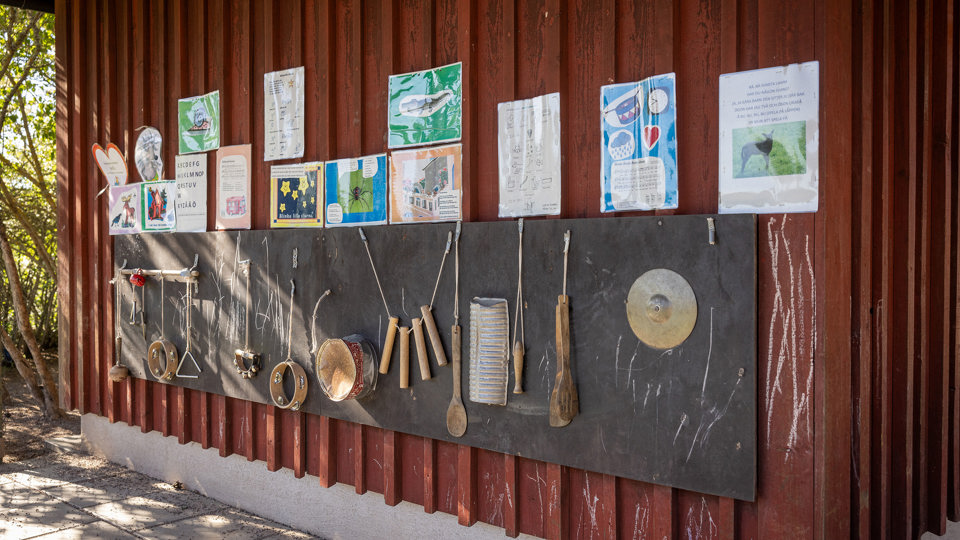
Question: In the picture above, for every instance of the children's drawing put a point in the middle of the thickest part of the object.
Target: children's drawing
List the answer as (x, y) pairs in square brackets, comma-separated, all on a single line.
[(158, 205), (111, 163), (199, 123), (639, 155), (356, 191), (296, 195), (124, 209), (425, 184), (233, 187), (529, 156), (425, 107), (147, 155)]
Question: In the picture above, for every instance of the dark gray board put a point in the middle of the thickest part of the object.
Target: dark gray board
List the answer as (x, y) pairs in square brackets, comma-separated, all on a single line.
[(685, 417)]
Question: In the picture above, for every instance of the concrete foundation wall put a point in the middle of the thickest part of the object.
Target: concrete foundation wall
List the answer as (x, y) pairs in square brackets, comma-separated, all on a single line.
[(336, 512)]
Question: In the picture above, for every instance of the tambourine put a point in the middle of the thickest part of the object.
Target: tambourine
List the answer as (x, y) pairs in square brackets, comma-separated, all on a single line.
[(346, 368), (162, 349), (277, 394)]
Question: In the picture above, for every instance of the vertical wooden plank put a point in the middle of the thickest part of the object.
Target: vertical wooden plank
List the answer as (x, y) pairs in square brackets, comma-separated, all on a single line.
[(555, 526), (64, 87), (610, 503), (349, 83), (953, 27), (273, 438), (93, 237), (143, 417), (299, 445), (109, 128), (377, 54), (224, 425), (466, 485), (78, 118), (664, 500), (328, 452), (205, 420), (466, 47), (726, 520), (429, 476), (391, 468), (359, 457), (511, 517), (247, 431)]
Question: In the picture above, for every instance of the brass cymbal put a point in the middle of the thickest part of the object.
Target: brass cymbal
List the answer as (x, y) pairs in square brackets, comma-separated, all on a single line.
[(661, 308)]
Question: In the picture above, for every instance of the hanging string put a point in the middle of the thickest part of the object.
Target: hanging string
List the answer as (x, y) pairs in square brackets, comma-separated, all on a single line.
[(246, 316), (440, 273), (189, 304), (517, 317), (456, 286), (290, 322), (162, 318)]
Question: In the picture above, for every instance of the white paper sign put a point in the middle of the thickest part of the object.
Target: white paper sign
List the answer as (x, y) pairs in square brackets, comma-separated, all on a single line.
[(283, 114), (191, 193), (529, 152), (769, 138)]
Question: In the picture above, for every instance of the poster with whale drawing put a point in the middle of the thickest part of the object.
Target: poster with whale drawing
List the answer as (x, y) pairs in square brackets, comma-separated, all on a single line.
[(769, 137), (638, 122), (425, 107)]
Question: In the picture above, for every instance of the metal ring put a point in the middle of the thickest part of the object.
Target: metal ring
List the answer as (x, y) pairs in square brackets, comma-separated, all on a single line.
[(239, 360), (300, 385)]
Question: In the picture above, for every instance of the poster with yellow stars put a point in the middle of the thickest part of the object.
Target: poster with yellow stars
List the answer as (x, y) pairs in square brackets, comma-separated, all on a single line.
[(296, 193)]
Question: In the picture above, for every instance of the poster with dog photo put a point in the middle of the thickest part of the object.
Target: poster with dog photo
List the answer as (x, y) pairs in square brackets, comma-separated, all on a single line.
[(158, 204), (125, 209), (769, 136), (198, 121), (639, 155), (356, 191)]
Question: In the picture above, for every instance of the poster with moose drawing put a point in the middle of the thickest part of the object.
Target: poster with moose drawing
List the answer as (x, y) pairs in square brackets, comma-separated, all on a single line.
[(769, 137), (356, 191), (125, 209), (639, 156), (158, 203)]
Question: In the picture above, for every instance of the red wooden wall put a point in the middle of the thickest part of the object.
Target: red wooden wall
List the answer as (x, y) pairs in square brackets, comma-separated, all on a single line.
[(859, 417)]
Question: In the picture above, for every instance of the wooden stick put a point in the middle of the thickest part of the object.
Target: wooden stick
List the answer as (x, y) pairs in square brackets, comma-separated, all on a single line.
[(434, 335), (404, 357), (388, 345), (564, 403), (422, 358), (518, 367)]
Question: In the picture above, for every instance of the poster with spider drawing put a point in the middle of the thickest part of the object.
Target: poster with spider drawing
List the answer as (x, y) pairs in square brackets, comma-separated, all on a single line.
[(356, 191), (425, 184), (125, 209), (295, 195)]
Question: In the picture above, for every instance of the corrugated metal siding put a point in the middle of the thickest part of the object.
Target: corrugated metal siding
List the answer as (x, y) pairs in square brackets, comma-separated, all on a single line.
[(859, 417)]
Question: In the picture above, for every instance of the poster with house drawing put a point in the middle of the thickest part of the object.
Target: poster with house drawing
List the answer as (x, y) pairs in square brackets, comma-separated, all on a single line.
[(158, 205), (424, 107), (425, 184), (529, 154), (356, 191), (639, 155), (124, 209), (769, 138)]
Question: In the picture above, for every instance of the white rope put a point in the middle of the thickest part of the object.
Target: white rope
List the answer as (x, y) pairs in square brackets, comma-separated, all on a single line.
[(517, 317), (375, 276), (293, 287), (440, 273)]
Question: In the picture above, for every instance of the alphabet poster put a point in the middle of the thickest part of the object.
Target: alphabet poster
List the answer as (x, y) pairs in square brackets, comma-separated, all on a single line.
[(356, 191), (529, 155), (425, 184), (769, 138), (198, 121), (639, 156), (192, 193), (296, 195), (425, 107), (158, 203), (125, 209), (233, 187)]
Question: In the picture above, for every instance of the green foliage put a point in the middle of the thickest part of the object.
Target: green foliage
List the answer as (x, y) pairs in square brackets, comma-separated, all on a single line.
[(28, 165)]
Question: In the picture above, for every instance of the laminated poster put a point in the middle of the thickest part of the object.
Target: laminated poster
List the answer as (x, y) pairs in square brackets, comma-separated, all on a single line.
[(769, 138), (125, 209), (356, 191), (198, 121), (233, 187), (111, 163), (296, 195), (158, 204), (639, 156), (425, 184), (529, 152), (283, 114), (425, 107), (146, 154), (191, 193)]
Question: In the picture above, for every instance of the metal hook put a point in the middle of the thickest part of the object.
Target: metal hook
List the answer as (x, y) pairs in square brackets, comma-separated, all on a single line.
[(457, 235)]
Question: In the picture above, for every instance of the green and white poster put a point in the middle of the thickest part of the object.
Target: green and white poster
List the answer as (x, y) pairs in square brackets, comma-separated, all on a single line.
[(198, 121), (425, 107)]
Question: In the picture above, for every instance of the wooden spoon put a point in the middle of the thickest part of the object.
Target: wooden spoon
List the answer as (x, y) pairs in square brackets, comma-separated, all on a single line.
[(456, 414)]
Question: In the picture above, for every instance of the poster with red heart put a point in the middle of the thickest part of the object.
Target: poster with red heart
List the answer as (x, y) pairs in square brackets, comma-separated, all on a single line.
[(639, 154)]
